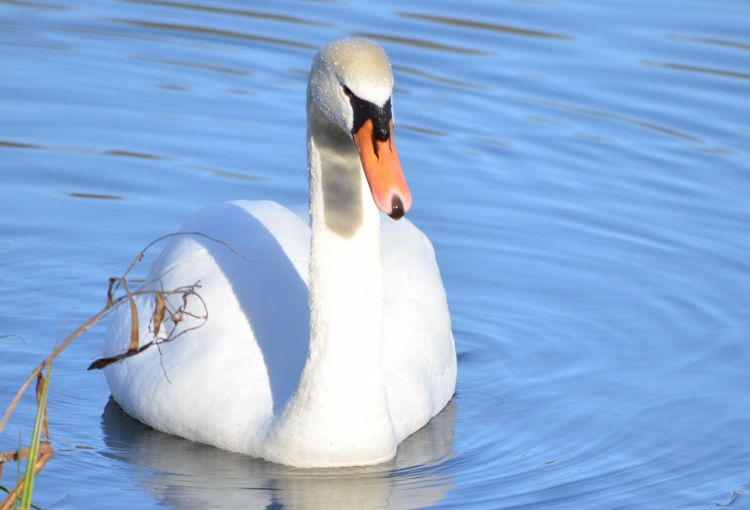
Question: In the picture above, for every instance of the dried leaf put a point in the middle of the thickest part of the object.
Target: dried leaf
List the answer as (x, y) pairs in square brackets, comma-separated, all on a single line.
[(104, 362), (23, 453), (134, 336), (159, 310), (110, 289), (39, 388), (10, 501), (39, 381)]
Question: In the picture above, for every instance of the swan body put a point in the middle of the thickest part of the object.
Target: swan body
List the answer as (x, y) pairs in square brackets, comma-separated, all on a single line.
[(327, 338)]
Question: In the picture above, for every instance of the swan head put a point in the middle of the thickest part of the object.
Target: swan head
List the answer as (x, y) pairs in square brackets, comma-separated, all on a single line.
[(351, 84)]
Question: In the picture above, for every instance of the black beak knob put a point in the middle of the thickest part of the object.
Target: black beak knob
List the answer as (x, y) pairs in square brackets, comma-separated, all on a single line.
[(397, 208)]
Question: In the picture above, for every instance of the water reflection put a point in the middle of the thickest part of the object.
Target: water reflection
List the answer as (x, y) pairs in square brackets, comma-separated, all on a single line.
[(194, 65), (94, 196), (37, 5), (190, 475), (228, 174), (421, 43), (161, 29), (17, 145), (483, 25), (422, 130), (435, 78), (129, 154), (557, 105), (713, 41), (212, 9), (697, 69)]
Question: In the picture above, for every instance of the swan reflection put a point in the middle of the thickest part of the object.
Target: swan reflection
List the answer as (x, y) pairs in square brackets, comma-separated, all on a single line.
[(183, 474)]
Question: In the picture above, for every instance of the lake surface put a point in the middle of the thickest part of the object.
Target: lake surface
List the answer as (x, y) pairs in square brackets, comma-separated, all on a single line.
[(582, 168)]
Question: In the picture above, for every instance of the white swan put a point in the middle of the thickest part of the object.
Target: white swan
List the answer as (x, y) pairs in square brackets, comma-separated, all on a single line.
[(326, 343)]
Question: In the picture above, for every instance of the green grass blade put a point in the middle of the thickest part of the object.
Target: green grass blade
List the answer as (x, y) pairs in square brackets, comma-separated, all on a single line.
[(28, 484)]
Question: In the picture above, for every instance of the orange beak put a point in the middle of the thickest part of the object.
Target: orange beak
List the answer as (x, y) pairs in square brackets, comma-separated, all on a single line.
[(383, 171)]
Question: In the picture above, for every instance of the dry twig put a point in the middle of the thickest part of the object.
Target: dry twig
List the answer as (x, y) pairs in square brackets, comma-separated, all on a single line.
[(176, 315)]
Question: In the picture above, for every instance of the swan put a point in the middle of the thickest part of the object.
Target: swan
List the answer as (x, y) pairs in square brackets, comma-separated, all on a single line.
[(327, 338)]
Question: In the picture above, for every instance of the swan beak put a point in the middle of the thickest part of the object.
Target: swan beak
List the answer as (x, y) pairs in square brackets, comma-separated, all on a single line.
[(383, 170)]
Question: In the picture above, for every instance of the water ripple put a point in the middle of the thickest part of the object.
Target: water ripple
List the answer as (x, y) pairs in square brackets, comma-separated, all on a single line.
[(697, 69), (213, 32), (609, 115), (713, 41), (18, 145), (129, 154), (36, 5), (422, 130), (228, 174), (194, 65), (422, 43), (94, 196), (436, 78), (281, 18), (484, 25), (598, 291)]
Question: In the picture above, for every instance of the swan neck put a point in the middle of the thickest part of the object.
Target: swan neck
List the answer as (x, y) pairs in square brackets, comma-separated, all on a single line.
[(346, 268), (340, 413)]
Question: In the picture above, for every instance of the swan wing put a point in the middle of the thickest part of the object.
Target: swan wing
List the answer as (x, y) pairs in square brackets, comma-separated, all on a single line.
[(221, 382), (420, 356)]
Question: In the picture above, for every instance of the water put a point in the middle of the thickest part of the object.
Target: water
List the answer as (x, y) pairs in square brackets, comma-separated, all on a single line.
[(581, 167)]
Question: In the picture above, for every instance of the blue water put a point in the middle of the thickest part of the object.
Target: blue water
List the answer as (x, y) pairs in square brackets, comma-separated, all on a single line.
[(582, 167)]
